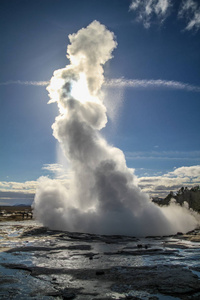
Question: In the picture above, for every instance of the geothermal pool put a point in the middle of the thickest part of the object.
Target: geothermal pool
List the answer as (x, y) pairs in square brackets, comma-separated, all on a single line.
[(38, 263)]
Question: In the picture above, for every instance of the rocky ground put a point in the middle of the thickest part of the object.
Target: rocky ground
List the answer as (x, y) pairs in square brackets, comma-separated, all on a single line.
[(15, 213), (38, 263)]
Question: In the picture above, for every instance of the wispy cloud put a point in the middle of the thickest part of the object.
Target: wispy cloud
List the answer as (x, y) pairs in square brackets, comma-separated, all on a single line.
[(148, 10), (54, 168), (151, 83), (58, 171), (163, 155), (125, 83), (190, 10), (34, 83)]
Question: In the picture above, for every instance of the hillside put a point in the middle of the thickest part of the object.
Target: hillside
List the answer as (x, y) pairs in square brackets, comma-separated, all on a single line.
[(191, 196)]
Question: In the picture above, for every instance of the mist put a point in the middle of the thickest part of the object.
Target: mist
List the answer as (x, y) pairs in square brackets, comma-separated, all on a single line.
[(102, 196)]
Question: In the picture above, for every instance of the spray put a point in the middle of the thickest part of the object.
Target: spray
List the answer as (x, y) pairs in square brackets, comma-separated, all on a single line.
[(103, 196)]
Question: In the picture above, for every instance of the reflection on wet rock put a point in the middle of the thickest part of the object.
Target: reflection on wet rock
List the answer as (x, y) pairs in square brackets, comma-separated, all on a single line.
[(39, 263)]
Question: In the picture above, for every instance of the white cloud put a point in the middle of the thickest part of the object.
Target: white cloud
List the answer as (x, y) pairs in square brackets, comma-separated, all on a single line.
[(147, 10), (191, 172), (162, 7), (12, 192), (17, 192), (59, 172), (54, 168), (171, 181), (22, 187), (190, 10), (134, 4)]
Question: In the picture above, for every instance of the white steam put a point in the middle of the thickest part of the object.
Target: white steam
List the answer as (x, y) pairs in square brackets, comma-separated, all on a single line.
[(103, 196)]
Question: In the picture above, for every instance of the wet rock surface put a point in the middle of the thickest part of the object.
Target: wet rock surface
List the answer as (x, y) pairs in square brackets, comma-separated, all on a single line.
[(38, 263)]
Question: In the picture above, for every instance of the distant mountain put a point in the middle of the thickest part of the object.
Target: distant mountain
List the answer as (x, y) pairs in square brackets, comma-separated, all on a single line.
[(21, 205)]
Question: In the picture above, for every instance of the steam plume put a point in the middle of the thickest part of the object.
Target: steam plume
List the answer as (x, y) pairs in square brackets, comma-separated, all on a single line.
[(103, 196)]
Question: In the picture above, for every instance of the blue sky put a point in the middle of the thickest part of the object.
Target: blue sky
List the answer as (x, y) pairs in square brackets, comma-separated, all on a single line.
[(153, 85)]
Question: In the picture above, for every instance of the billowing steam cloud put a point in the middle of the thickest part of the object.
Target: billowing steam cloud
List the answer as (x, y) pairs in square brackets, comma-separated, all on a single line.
[(103, 196)]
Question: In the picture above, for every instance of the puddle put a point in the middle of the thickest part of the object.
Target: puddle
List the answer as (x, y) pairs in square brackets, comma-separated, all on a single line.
[(140, 295), (18, 284)]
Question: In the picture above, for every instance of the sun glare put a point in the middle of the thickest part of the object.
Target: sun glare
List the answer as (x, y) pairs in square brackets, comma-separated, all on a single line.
[(54, 88), (80, 90), (57, 83)]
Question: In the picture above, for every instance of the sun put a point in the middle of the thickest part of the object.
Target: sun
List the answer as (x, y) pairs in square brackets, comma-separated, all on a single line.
[(77, 89), (80, 91), (56, 84)]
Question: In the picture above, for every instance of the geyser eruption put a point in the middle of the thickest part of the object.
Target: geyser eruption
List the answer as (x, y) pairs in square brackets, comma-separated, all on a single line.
[(103, 196)]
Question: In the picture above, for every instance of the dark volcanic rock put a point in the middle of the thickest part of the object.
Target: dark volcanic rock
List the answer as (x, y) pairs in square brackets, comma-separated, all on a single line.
[(169, 280), (100, 272), (67, 295), (63, 265), (79, 247)]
